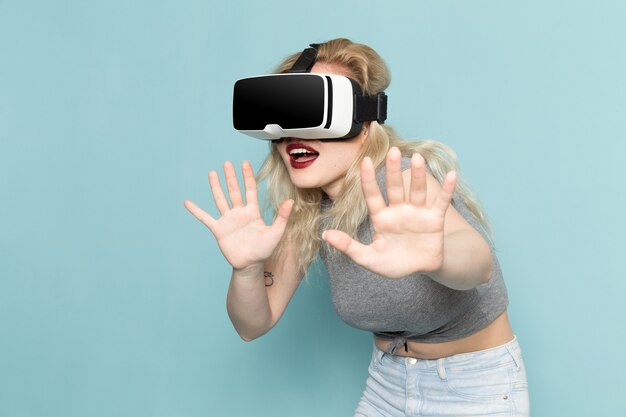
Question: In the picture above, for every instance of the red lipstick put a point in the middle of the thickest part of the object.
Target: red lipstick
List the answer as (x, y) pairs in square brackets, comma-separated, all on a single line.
[(301, 155)]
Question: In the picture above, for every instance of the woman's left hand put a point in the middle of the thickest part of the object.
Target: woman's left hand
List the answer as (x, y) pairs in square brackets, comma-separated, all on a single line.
[(408, 233)]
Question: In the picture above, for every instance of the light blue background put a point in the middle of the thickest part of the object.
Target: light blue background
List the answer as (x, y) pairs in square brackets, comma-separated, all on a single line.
[(112, 296)]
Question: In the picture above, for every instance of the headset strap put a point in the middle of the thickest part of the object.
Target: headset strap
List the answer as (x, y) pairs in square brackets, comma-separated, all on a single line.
[(370, 108), (305, 61)]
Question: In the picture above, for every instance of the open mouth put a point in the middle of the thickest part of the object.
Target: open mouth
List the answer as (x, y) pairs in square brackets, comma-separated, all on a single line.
[(300, 155)]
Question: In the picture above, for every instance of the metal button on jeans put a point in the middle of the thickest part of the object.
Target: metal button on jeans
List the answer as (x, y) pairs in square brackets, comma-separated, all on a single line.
[(411, 361)]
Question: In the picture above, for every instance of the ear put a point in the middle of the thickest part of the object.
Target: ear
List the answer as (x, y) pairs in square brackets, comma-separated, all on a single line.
[(365, 132)]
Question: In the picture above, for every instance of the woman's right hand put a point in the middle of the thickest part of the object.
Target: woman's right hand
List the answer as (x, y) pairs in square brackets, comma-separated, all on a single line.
[(242, 235)]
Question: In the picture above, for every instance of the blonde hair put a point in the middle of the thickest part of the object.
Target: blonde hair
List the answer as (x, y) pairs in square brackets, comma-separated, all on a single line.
[(349, 210)]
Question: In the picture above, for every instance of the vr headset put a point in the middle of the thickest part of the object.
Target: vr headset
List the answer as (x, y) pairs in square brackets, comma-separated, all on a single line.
[(304, 105)]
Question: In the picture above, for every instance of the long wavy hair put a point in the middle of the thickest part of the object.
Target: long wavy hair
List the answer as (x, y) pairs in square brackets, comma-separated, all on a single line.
[(349, 210)]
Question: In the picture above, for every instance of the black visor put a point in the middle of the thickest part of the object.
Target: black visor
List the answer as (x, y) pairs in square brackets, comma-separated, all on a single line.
[(290, 102)]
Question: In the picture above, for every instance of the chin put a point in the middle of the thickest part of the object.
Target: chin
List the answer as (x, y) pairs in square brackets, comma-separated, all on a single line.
[(303, 182), (305, 185)]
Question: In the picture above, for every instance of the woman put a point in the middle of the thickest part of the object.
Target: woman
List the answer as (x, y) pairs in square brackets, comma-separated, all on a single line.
[(417, 268)]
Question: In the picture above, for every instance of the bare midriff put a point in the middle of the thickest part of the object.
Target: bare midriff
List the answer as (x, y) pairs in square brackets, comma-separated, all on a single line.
[(497, 333)]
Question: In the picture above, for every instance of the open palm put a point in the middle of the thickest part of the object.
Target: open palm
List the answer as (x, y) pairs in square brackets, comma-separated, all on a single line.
[(408, 234), (241, 233)]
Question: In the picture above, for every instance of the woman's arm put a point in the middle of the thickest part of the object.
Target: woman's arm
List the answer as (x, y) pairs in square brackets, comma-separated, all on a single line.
[(258, 296), (247, 243)]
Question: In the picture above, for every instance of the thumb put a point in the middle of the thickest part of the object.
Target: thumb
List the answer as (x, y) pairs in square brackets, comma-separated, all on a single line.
[(284, 211), (344, 243)]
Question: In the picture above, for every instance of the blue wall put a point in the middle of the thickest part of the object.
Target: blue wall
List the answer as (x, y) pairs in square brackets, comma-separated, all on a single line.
[(112, 296)]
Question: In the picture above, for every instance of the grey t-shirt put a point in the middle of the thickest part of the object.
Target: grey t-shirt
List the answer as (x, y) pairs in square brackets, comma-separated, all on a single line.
[(413, 307)]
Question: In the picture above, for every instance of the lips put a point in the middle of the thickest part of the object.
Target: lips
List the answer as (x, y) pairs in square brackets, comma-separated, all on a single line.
[(301, 155)]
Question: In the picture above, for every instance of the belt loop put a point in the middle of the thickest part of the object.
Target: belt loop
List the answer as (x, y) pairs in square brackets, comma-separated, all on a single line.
[(441, 369), (395, 344), (514, 354), (379, 355)]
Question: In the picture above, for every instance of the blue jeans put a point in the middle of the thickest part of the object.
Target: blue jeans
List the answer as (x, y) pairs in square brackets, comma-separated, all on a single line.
[(489, 382)]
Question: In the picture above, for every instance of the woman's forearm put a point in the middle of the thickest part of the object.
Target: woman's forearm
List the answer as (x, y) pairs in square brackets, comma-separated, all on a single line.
[(248, 304), (467, 261)]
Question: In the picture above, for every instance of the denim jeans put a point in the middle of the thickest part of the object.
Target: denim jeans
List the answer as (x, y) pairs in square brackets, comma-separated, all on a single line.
[(489, 382)]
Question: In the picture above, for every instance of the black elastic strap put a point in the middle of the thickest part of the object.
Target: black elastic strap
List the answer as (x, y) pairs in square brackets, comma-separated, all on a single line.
[(370, 108), (305, 61)]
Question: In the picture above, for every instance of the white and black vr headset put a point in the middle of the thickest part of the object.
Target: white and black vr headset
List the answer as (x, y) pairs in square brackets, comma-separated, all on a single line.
[(303, 105)]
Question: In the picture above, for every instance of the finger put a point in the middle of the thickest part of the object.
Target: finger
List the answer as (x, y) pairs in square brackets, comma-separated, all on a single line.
[(371, 191), (200, 214), (395, 184), (250, 184), (233, 185), (218, 194), (282, 217), (444, 198), (417, 191), (341, 241)]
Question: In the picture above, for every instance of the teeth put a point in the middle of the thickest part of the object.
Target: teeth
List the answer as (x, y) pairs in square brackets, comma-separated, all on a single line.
[(299, 150)]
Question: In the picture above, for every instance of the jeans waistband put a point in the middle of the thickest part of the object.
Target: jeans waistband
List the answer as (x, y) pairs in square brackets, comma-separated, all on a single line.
[(506, 351)]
